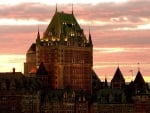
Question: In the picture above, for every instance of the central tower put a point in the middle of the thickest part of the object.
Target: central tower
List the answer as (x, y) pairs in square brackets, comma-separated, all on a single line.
[(66, 54)]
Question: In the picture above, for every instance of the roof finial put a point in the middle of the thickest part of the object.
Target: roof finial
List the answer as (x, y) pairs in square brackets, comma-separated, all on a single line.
[(38, 32), (138, 66), (72, 8), (90, 39), (106, 84), (38, 36), (89, 32), (118, 65), (56, 8)]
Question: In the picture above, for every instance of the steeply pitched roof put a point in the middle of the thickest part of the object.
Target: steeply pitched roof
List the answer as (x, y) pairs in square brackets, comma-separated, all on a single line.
[(95, 76), (90, 39), (139, 84), (41, 70), (60, 19), (32, 48), (139, 78), (118, 76), (62, 24)]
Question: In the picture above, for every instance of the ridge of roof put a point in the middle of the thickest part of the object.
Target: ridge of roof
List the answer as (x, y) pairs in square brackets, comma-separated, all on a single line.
[(9, 75)]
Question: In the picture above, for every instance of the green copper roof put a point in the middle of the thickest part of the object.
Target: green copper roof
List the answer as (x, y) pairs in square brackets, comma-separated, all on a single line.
[(59, 20), (64, 27)]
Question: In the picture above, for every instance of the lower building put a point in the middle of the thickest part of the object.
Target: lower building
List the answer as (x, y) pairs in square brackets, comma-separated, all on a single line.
[(20, 94)]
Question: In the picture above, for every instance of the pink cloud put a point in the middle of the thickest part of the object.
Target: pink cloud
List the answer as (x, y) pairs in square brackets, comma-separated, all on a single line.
[(104, 11), (17, 39)]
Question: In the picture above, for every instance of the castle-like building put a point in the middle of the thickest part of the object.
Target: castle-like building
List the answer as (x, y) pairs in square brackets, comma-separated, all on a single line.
[(59, 77), (65, 53)]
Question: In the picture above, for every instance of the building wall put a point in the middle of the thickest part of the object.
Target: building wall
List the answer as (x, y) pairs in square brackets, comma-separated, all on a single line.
[(30, 64), (10, 102), (30, 102), (67, 66), (113, 108)]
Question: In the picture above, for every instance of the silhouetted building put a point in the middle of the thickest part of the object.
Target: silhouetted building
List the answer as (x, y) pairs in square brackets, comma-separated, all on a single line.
[(121, 97), (19, 94), (58, 77), (118, 80)]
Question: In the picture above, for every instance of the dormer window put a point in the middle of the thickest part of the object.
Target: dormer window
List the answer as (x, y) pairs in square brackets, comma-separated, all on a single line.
[(73, 24), (12, 85), (50, 34), (72, 34), (58, 39), (3, 85), (53, 38), (64, 23), (42, 40), (66, 39), (46, 39)]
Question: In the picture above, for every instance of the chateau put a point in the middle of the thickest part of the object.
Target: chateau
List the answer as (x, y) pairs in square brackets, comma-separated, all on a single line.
[(59, 77), (65, 53)]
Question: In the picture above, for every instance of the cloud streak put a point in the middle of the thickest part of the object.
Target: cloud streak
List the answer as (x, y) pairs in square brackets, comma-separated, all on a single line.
[(120, 31)]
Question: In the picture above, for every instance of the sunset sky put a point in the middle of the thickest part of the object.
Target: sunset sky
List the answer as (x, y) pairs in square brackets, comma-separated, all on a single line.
[(120, 32)]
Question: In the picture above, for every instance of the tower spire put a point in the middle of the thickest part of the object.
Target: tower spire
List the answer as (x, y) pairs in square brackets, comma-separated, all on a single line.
[(38, 36), (56, 8), (90, 39), (138, 66), (72, 8), (106, 83)]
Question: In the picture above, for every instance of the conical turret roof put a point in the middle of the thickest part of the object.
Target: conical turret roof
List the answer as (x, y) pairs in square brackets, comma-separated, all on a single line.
[(139, 78), (139, 84), (90, 39), (118, 76), (38, 37)]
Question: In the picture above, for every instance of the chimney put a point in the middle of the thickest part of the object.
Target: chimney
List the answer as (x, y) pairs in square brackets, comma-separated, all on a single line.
[(13, 70)]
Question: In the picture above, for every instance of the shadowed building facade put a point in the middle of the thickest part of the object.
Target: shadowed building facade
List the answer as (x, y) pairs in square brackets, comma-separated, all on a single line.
[(65, 52)]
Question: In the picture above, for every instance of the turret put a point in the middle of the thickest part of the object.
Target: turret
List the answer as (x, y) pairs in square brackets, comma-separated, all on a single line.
[(38, 37), (139, 84), (90, 40), (105, 83), (118, 80)]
